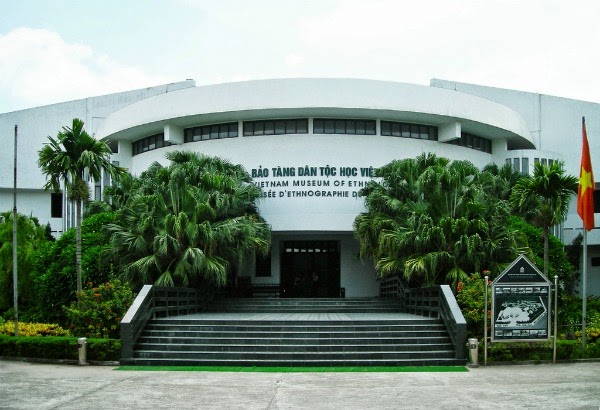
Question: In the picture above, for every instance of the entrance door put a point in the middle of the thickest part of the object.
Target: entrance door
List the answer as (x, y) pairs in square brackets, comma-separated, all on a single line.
[(310, 269)]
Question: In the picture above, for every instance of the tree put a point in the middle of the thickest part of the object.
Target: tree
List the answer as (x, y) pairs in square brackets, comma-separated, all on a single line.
[(53, 270), (433, 221), (507, 177), (30, 236), (544, 199), (186, 224), (68, 159)]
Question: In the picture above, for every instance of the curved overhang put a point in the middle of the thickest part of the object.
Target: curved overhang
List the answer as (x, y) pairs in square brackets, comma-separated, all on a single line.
[(287, 98)]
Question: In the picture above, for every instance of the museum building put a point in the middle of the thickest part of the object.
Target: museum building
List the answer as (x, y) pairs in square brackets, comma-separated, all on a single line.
[(310, 145)]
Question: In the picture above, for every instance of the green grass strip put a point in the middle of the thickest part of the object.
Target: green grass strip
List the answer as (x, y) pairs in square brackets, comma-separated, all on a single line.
[(266, 369)]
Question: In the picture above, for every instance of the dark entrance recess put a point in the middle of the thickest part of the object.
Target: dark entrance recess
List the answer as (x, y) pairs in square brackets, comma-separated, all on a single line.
[(310, 269)]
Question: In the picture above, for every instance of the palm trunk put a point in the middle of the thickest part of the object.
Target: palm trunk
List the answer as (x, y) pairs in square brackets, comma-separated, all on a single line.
[(78, 244)]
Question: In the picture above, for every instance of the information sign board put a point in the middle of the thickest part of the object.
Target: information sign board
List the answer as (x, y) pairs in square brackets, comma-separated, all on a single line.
[(521, 304)]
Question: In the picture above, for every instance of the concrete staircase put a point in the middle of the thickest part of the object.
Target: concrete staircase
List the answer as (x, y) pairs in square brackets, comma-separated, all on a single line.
[(296, 332)]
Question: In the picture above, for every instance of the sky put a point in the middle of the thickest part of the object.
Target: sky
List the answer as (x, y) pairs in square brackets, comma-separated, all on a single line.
[(60, 50)]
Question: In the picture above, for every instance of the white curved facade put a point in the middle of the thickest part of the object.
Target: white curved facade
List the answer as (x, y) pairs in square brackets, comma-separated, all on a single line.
[(330, 203), (311, 144)]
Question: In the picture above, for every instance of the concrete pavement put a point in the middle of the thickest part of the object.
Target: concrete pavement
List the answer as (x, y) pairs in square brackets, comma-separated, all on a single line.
[(546, 386)]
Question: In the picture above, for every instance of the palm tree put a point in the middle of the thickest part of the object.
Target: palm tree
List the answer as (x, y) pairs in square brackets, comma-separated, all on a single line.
[(188, 223), (544, 198), (433, 221), (68, 159)]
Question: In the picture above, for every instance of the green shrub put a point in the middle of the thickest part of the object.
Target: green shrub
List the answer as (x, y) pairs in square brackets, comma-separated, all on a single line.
[(98, 310), (49, 347), (470, 298), (54, 269), (104, 350), (58, 348), (540, 351), (33, 329)]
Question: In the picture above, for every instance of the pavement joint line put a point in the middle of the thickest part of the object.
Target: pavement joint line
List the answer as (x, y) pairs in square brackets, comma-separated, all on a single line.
[(88, 392), (273, 401)]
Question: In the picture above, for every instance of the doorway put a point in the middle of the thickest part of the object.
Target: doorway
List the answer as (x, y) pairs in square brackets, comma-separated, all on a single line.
[(310, 269)]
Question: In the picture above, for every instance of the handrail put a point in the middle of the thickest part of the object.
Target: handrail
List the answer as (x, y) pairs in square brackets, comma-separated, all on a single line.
[(392, 287), (439, 302), (154, 302)]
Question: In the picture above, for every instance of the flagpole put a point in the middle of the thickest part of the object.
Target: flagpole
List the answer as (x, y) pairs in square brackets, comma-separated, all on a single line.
[(14, 244), (585, 209), (584, 290)]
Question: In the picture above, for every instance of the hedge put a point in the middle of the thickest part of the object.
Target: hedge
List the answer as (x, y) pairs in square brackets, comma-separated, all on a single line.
[(59, 348), (519, 352)]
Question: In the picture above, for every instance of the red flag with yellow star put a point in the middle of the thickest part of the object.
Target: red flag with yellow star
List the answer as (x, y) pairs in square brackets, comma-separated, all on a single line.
[(585, 194)]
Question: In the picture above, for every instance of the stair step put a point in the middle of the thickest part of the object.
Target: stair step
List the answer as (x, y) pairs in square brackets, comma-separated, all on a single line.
[(345, 362), (296, 332), (164, 340), (308, 348), (295, 356)]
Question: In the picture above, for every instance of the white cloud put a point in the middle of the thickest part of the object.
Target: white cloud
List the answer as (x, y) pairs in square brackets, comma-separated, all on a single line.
[(293, 59), (542, 46), (38, 67)]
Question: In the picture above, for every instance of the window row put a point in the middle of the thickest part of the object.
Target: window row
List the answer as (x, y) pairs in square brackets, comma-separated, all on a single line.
[(473, 142), (333, 126), (149, 143), (320, 126), (404, 130), (211, 132), (520, 165), (276, 127)]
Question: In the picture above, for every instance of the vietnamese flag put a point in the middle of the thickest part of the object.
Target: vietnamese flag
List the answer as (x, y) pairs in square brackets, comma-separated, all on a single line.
[(585, 193)]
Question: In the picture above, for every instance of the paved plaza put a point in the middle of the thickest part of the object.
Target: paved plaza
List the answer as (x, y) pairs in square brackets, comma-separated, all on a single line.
[(545, 386)]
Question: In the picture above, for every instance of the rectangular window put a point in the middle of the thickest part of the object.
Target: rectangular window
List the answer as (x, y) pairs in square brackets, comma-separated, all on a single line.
[(370, 128), (468, 141), (214, 132), (386, 128), (302, 126), (223, 131), (318, 127), (114, 146), (205, 133), (405, 131), (56, 205), (276, 127), (280, 127), (360, 128), (476, 143), (597, 199), (106, 178), (329, 126), (414, 131), (269, 128), (351, 127), (340, 126), (525, 165), (211, 132), (248, 128)]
